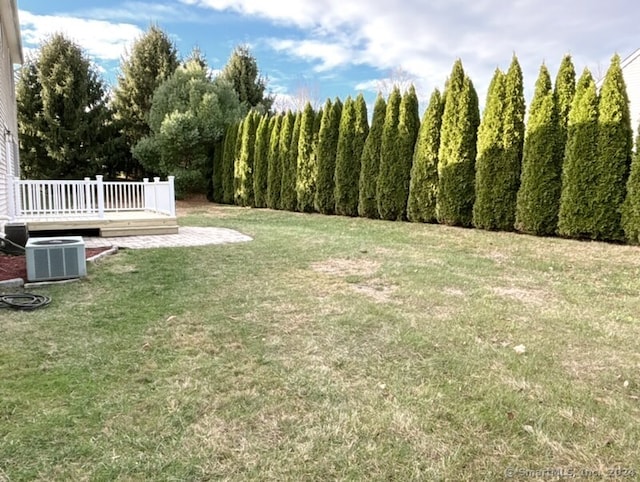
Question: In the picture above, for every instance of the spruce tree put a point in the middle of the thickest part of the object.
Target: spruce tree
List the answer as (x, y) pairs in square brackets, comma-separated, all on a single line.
[(242, 72), (307, 169), (261, 161), (274, 176), (564, 91), (457, 153), (288, 198), (491, 155), (577, 214), (228, 163), (344, 195), (370, 162), (327, 150), (389, 159), (613, 155), (244, 195), (631, 207), (423, 190), (539, 194)]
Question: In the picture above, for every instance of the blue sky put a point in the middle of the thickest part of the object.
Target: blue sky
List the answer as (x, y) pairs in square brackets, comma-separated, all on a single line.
[(325, 48)]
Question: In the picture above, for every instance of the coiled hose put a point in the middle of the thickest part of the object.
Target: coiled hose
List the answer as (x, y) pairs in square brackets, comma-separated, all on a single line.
[(24, 301)]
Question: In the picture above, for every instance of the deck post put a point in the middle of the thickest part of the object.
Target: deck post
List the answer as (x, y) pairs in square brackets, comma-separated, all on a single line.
[(172, 195), (87, 201), (100, 188), (145, 191), (11, 189), (156, 180)]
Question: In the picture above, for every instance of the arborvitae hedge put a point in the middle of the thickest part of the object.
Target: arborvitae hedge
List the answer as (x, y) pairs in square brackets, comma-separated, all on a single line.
[(564, 91), (327, 150), (284, 144), (577, 210), (244, 168), (274, 175), (370, 162), (457, 153), (491, 155), (631, 207), (613, 155), (216, 184), (228, 163), (236, 160), (307, 169), (345, 162), (261, 162), (360, 138), (288, 198), (423, 191), (539, 194), (389, 158)]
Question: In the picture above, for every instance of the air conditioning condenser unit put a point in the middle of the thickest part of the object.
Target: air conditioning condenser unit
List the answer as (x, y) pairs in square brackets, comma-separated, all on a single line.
[(55, 258)]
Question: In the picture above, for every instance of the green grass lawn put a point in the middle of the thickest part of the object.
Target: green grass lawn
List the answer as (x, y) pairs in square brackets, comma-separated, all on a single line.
[(329, 348)]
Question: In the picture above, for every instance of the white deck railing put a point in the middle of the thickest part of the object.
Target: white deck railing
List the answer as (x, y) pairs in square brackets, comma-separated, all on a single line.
[(88, 198)]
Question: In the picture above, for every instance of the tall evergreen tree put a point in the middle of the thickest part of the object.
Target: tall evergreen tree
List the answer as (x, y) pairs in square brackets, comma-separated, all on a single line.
[(228, 163), (423, 191), (370, 162), (244, 195), (62, 113), (261, 161), (274, 176), (491, 156), (242, 71), (327, 150), (152, 60), (284, 144), (631, 207), (288, 197), (217, 192), (390, 158), (361, 133), (307, 169), (408, 128), (564, 91), (539, 194), (613, 155), (577, 211), (344, 160), (236, 160), (457, 153)]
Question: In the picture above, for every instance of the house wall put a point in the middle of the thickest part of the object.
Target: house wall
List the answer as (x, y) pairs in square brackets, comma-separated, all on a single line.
[(631, 71), (10, 53)]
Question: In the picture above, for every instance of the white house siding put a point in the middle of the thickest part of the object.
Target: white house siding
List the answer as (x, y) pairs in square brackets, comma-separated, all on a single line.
[(631, 72), (10, 53)]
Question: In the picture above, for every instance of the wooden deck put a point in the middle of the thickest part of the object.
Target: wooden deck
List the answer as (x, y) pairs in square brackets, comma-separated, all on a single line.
[(114, 224)]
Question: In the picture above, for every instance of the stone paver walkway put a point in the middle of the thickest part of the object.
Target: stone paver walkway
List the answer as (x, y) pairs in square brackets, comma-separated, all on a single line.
[(187, 236)]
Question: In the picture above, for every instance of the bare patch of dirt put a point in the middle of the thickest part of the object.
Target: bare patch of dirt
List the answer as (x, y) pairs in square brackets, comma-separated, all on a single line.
[(346, 267), (376, 290), (524, 295)]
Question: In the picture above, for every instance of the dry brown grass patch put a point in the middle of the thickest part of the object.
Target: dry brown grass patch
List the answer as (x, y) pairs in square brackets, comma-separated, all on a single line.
[(346, 267)]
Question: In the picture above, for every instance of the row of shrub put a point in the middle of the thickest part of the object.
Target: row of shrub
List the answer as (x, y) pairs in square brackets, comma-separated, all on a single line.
[(569, 171)]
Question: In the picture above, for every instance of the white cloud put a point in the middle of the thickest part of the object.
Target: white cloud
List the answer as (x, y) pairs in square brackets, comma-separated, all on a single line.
[(101, 39), (426, 37)]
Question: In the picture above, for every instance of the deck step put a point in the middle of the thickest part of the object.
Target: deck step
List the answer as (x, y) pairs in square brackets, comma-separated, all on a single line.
[(118, 231)]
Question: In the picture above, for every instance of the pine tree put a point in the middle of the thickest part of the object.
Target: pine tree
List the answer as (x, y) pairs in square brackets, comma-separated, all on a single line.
[(307, 169), (539, 194), (577, 214), (228, 163), (244, 195), (261, 161), (613, 155), (327, 151), (274, 177), (152, 60), (370, 162), (631, 207), (564, 92), (217, 172), (288, 198), (389, 158), (457, 153), (423, 191), (491, 155), (242, 72)]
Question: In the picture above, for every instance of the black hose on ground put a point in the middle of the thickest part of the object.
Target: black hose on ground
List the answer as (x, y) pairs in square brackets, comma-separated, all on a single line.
[(24, 301)]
